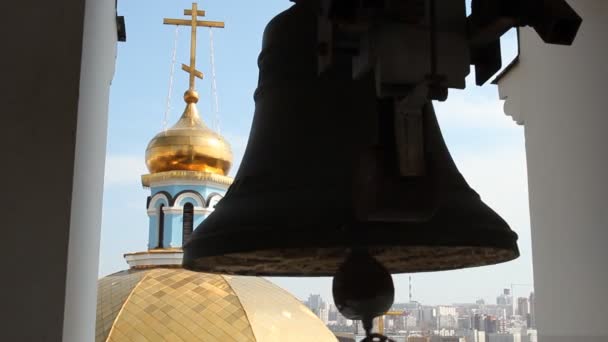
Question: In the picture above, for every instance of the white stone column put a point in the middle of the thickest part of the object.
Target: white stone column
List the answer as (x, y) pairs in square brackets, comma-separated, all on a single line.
[(97, 70), (560, 95)]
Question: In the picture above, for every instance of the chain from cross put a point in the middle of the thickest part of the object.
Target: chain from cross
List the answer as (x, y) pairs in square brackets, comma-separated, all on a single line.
[(194, 23)]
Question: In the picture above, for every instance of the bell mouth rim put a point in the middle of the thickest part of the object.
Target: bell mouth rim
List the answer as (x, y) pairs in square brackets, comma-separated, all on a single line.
[(310, 257), (397, 260)]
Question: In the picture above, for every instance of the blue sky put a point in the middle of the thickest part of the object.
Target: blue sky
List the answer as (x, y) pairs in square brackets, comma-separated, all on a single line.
[(487, 146)]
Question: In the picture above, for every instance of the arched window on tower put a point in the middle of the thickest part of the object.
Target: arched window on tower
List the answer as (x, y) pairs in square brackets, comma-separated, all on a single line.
[(188, 222), (161, 225)]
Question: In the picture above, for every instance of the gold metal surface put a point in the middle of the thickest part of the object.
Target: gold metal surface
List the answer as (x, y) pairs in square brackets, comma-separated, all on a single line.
[(199, 13), (275, 315), (186, 22), (194, 13), (197, 73), (189, 145), (112, 292), (180, 175), (178, 305)]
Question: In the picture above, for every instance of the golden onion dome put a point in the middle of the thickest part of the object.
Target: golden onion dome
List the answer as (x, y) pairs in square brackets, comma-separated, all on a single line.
[(189, 145)]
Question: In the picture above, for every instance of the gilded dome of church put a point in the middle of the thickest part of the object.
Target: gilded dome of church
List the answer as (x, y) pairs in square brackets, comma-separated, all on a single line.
[(173, 304), (189, 145)]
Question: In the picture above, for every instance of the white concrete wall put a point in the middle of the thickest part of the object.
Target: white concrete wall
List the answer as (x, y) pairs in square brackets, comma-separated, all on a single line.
[(560, 94), (53, 129)]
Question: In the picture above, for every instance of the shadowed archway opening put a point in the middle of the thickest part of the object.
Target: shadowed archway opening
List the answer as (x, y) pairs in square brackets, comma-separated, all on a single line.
[(188, 221), (161, 225)]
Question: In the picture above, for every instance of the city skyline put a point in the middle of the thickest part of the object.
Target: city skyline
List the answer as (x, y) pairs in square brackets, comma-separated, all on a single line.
[(506, 320)]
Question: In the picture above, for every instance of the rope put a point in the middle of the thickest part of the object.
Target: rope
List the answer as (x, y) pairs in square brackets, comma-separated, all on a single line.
[(172, 73), (216, 108)]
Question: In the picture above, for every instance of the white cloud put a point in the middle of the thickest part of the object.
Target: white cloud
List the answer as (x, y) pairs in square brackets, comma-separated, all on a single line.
[(124, 169)]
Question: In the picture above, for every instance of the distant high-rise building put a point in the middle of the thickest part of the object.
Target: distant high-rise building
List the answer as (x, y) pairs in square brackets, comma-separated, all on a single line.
[(532, 319), (324, 312), (480, 302), (522, 307), (491, 324), (428, 318), (505, 298), (314, 303), (477, 322), (447, 318), (333, 313)]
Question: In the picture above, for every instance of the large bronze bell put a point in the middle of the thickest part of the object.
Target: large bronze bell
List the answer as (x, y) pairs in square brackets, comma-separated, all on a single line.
[(321, 177)]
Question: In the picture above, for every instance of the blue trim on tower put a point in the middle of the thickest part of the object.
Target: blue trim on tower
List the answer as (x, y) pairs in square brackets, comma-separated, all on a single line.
[(174, 197)]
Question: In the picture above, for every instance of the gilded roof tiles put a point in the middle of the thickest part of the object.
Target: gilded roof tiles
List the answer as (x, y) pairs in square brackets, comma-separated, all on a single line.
[(167, 304)]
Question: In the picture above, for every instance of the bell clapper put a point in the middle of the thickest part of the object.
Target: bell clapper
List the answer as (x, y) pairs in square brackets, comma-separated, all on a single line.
[(363, 289)]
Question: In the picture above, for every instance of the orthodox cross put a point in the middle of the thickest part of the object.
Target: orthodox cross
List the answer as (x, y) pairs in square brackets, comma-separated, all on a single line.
[(194, 23)]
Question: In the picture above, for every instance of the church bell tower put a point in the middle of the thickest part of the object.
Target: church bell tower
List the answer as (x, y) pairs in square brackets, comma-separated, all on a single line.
[(188, 165)]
